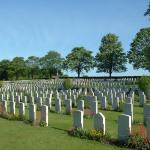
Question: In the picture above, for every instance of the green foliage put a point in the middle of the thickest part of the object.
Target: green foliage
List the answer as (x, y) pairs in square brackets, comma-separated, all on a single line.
[(52, 62), (144, 83), (43, 124), (110, 57), (67, 84), (32, 68), (138, 139), (13, 117), (1, 84), (147, 13), (17, 67), (136, 54), (79, 60), (4, 69), (90, 135), (147, 57), (32, 64)]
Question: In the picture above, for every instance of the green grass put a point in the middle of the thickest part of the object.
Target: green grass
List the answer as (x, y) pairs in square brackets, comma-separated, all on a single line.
[(16, 135)]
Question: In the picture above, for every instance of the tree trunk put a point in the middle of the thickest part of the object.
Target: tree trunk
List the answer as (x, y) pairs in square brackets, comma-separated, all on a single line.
[(50, 75), (110, 74), (78, 74), (17, 76), (32, 74)]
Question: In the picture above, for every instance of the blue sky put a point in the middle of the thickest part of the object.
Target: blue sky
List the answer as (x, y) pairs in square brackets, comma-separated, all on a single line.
[(33, 27)]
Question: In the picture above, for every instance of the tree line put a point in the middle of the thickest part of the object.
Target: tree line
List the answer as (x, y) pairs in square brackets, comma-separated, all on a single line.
[(109, 58)]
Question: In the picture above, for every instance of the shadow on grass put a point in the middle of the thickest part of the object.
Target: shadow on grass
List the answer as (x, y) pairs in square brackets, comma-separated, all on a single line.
[(60, 129)]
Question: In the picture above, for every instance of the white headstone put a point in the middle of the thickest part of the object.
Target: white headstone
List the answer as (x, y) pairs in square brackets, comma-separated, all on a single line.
[(44, 114), (99, 122), (57, 105), (94, 107), (21, 109), (32, 112), (124, 127), (68, 105), (78, 119), (146, 110), (80, 105), (12, 107), (4, 106)]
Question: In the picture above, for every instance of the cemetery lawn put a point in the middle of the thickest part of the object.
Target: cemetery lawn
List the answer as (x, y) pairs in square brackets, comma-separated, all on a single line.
[(16, 135)]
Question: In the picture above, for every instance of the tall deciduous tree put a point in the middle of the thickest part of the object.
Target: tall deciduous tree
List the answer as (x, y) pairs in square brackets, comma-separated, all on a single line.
[(52, 62), (110, 57), (79, 60), (32, 64), (17, 67), (147, 57), (147, 13), (136, 54), (4, 69)]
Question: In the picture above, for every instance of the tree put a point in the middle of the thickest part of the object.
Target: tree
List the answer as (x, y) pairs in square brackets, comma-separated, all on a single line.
[(4, 69), (147, 13), (52, 62), (110, 57), (17, 67), (32, 64), (79, 60), (136, 54), (147, 57)]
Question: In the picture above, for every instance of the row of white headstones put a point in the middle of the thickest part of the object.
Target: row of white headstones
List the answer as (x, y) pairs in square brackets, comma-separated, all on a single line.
[(114, 95), (124, 122)]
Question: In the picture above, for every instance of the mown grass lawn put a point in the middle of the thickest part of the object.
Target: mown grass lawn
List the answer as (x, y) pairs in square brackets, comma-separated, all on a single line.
[(16, 135)]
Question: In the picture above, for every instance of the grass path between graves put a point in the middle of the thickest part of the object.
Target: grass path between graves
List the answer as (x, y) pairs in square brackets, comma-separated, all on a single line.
[(16, 135)]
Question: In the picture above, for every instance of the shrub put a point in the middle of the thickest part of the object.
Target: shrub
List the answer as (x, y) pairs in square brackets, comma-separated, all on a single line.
[(144, 83), (67, 84), (138, 139), (90, 135), (43, 124), (13, 117)]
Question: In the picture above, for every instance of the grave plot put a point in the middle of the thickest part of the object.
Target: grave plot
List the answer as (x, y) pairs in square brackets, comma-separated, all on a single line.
[(105, 111)]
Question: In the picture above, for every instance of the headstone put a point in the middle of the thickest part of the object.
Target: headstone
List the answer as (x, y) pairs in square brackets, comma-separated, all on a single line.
[(12, 107), (44, 114), (78, 119), (57, 105), (129, 100), (32, 112), (48, 102), (128, 109), (68, 105), (115, 103), (94, 107), (103, 102), (80, 105), (142, 98), (124, 127), (4, 106), (21, 109), (146, 110), (99, 122), (148, 94)]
